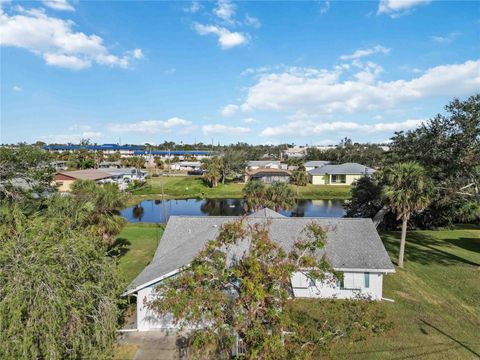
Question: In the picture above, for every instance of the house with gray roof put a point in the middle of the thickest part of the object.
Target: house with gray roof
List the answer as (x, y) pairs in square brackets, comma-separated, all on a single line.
[(353, 247), (310, 165), (343, 174)]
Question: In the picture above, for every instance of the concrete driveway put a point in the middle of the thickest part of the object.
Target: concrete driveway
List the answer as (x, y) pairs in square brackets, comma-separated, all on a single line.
[(155, 345)]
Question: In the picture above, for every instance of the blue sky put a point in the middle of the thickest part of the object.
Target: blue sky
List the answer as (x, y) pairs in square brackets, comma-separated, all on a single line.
[(260, 72)]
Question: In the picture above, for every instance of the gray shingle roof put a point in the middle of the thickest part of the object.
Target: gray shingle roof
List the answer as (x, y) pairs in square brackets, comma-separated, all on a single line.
[(263, 163), (351, 243), (317, 163), (347, 168)]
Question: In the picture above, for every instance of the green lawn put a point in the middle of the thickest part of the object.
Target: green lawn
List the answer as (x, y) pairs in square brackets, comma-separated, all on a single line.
[(436, 312), (194, 186), (138, 243)]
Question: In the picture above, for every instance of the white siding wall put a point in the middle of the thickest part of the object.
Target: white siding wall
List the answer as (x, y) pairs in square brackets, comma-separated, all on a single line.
[(146, 319), (354, 286)]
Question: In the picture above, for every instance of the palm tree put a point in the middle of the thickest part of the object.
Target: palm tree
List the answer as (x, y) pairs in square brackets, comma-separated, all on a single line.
[(254, 195), (407, 190), (280, 196), (213, 170)]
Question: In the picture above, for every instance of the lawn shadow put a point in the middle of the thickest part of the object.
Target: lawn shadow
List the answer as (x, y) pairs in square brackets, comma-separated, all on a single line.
[(120, 247), (426, 249)]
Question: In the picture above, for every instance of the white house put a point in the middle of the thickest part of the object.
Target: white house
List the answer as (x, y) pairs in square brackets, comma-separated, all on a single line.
[(265, 164), (353, 248), (186, 165), (343, 174)]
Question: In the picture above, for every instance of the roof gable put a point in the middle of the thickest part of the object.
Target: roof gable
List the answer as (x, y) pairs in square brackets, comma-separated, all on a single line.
[(351, 243)]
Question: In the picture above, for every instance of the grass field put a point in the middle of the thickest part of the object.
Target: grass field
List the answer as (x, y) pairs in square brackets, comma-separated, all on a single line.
[(436, 313), (137, 244), (194, 186)]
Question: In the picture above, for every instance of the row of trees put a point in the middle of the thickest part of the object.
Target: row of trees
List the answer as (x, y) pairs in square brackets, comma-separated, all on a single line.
[(59, 286)]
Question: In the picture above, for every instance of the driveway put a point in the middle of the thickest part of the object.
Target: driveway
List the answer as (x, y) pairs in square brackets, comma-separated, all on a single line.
[(154, 345)]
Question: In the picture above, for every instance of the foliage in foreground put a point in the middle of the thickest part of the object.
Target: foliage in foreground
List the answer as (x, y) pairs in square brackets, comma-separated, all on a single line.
[(247, 296), (58, 289), (277, 196)]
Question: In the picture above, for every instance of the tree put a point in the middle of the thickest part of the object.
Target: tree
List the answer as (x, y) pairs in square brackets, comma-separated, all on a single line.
[(279, 196), (234, 163), (448, 147), (91, 206), (407, 190), (366, 198), (223, 299), (213, 170), (299, 176), (254, 195), (24, 171), (58, 290)]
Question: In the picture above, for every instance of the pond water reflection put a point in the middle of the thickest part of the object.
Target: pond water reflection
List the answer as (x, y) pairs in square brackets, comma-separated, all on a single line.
[(154, 210)]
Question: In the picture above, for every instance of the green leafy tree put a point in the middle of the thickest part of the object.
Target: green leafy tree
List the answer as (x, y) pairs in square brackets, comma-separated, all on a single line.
[(299, 176), (254, 195), (58, 290), (213, 170), (234, 163), (91, 206), (245, 298), (366, 198), (407, 189), (448, 147), (24, 171), (279, 196)]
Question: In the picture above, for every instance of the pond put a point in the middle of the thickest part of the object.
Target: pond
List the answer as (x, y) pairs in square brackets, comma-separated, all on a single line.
[(154, 210)]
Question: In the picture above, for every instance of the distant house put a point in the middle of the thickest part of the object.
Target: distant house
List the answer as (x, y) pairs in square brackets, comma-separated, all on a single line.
[(295, 152), (65, 179), (353, 247), (110, 164), (310, 165), (343, 174), (186, 165), (268, 175), (265, 164), (60, 165)]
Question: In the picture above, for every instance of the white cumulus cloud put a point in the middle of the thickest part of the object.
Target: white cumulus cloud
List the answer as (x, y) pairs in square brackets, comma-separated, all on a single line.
[(17, 88), (396, 8), (219, 129), (229, 110), (151, 126), (446, 38), (61, 5), (226, 38), (225, 10), (317, 91), (56, 41), (309, 128), (357, 54)]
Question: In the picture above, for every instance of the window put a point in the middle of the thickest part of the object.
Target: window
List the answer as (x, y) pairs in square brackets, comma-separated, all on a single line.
[(367, 280), (339, 179), (340, 283)]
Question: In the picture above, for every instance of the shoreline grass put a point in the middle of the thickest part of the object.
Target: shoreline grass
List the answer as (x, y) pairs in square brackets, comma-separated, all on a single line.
[(182, 187)]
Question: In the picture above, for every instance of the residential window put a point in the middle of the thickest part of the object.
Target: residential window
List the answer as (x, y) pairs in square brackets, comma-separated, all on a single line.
[(339, 179), (367, 280), (340, 283)]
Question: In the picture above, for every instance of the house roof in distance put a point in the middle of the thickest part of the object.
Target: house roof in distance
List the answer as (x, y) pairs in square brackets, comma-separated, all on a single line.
[(268, 172), (343, 169), (316, 163), (351, 243), (89, 174), (263, 163)]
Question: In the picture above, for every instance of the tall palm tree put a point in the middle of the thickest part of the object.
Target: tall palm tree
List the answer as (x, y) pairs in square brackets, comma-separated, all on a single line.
[(213, 170), (254, 195), (407, 190), (280, 196)]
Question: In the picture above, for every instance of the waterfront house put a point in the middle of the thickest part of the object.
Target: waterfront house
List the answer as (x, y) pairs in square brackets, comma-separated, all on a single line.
[(310, 165), (343, 174), (268, 175), (353, 248), (65, 179)]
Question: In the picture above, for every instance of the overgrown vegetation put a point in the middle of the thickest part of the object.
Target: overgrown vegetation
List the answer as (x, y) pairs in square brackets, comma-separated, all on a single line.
[(59, 289)]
